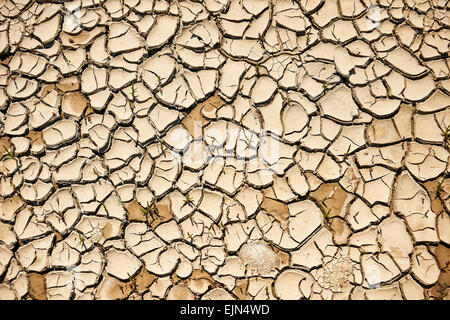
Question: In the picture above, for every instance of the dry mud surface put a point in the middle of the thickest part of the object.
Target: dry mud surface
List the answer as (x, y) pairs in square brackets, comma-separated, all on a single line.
[(224, 149)]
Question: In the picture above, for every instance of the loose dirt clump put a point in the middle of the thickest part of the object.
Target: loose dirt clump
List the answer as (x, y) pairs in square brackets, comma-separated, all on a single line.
[(38, 288)]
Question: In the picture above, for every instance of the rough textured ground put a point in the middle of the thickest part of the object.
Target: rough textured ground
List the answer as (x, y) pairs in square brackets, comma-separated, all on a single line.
[(217, 149)]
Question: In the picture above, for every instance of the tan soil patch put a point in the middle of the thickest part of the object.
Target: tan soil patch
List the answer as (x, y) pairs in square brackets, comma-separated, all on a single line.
[(6, 60), (241, 290), (144, 279), (134, 211), (432, 186), (164, 213), (69, 84), (38, 287), (277, 209), (45, 90)]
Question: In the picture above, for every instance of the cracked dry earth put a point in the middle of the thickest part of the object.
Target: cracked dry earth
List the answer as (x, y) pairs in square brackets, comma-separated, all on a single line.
[(224, 149)]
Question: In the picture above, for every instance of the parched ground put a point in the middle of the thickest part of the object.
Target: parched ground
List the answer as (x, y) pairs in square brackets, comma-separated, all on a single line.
[(224, 149)]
